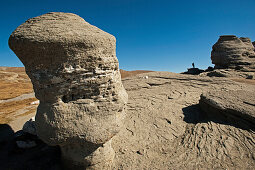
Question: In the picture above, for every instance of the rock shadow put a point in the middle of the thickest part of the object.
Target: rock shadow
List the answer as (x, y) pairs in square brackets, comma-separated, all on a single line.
[(39, 157), (194, 114), (6, 133)]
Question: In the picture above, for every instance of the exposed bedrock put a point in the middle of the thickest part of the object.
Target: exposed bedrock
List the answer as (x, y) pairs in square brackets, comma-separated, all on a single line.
[(233, 52), (233, 106), (75, 75)]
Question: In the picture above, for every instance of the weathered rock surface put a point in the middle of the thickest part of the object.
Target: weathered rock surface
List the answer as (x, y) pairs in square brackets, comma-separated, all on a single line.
[(75, 75), (233, 52), (230, 73), (193, 71), (29, 127), (166, 129), (230, 106)]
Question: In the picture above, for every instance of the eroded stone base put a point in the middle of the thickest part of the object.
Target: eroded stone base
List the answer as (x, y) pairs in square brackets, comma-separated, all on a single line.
[(88, 156)]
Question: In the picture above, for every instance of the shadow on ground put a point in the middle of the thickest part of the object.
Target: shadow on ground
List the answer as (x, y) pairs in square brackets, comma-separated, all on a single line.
[(193, 114), (39, 157)]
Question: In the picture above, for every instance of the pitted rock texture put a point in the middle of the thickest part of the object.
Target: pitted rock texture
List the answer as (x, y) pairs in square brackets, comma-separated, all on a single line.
[(233, 52), (75, 75)]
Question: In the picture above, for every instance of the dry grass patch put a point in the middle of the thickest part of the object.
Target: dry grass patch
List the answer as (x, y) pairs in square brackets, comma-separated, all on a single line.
[(14, 82), (11, 90), (13, 69), (8, 109), (30, 111)]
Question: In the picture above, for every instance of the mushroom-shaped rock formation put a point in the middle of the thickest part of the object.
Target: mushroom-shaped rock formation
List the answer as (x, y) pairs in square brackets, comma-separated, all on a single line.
[(233, 52), (75, 75)]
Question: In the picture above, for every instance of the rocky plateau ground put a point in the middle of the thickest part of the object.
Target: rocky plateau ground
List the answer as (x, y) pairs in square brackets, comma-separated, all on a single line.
[(165, 126)]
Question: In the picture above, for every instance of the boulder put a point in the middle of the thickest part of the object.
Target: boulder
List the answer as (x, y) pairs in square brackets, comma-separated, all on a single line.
[(6, 133), (194, 71), (75, 75), (25, 144), (233, 106), (29, 126), (233, 52), (26, 151)]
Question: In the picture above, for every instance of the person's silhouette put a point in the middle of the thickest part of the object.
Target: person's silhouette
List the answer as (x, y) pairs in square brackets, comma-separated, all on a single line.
[(193, 65)]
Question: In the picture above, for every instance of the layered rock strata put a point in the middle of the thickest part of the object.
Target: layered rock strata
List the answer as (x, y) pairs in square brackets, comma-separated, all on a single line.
[(75, 75), (233, 52), (233, 106)]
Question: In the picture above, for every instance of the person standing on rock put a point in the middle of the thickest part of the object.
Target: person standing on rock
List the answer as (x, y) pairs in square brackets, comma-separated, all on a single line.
[(193, 65)]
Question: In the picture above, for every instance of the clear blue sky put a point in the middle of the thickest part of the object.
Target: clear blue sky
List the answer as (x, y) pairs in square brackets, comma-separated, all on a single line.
[(161, 35)]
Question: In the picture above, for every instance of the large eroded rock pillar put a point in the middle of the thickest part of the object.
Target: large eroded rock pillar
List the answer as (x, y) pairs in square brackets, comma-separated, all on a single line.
[(233, 52), (75, 75)]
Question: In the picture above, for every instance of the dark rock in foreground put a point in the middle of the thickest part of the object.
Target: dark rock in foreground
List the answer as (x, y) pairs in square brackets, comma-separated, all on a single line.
[(38, 157), (194, 71), (236, 107)]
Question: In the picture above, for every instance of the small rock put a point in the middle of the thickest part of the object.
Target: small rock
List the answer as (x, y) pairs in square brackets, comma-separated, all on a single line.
[(35, 102), (19, 134), (29, 127), (249, 77), (25, 144), (138, 152), (122, 150)]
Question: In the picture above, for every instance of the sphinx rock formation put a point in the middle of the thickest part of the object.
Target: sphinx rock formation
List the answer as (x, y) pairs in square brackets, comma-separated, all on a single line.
[(233, 52), (75, 75)]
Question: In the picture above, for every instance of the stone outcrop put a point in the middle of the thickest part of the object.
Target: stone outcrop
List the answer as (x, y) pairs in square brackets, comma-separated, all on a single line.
[(231, 106), (29, 126), (229, 73), (193, 71), (164, 129), (75, 75), (233, 52)]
